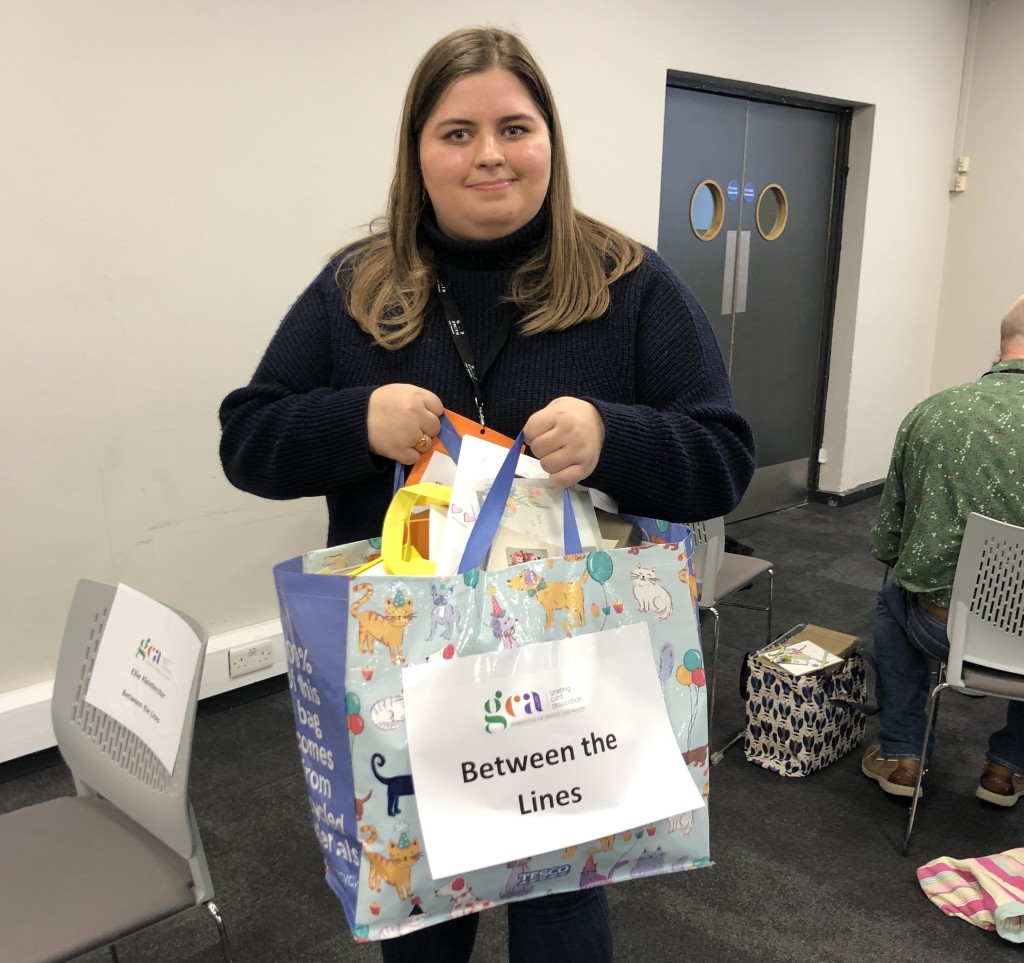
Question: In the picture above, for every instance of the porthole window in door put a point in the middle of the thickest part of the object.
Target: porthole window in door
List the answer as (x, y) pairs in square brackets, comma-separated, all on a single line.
[(772, 212), (707, 210)]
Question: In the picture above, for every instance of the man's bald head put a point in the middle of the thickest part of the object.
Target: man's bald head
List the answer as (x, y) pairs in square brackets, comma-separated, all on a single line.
[(1011, 332)]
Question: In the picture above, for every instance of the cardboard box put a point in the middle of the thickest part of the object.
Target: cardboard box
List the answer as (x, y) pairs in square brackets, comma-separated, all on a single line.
[(616, 531), (836, 643)]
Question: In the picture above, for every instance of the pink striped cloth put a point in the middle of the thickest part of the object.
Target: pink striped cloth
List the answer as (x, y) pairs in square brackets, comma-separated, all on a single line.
[(987, 891)]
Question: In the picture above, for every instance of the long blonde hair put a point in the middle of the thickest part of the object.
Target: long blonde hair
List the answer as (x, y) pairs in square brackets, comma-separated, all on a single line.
[(391, 274)]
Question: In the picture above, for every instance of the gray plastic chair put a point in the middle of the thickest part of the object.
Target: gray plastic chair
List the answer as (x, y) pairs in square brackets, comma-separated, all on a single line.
[(985, 627), (720, 574), (81, 872), (733, 572)]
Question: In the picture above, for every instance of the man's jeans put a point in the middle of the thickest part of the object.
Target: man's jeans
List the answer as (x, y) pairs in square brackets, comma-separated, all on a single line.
[(907, 640)]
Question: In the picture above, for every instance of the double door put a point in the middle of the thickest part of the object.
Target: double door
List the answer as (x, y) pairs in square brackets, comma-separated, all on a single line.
[(747, 209)]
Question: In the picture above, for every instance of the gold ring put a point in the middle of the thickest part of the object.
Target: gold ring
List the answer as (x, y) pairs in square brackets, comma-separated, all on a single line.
[(421, 445)]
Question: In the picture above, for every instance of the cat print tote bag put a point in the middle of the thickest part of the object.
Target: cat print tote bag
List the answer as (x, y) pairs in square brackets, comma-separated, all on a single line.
[(469, 740)]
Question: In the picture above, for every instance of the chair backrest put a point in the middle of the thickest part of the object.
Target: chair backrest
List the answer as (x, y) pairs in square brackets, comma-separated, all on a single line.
[(108, 759), (986, 614), (708, 552)]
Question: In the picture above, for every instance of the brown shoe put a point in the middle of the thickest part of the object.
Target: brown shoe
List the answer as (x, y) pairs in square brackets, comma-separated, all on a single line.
[(999, 785), (896, 776)]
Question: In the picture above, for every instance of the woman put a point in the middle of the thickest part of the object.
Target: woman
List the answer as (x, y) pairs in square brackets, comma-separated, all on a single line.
[(487, 293)]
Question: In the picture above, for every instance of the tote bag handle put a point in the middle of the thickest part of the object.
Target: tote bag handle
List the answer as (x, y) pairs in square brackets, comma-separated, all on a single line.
[(397, 551), (448, 436)]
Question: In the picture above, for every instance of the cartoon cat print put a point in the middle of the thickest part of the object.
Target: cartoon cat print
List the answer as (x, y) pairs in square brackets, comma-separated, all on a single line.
[(648, 863), (589, 875), (649, 593), (681, 823), (395, 869), (397, 786), (361, 801), (388, 713), (387, 628), (689, 579)]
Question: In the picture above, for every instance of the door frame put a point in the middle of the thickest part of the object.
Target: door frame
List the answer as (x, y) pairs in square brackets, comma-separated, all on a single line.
[(843, 109)]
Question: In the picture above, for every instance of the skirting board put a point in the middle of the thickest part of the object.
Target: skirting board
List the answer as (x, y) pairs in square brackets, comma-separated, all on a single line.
[(840, 499), (25, 713)]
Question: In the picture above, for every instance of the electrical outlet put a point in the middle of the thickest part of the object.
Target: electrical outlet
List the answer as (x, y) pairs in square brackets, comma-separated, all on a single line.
[(250, 658)]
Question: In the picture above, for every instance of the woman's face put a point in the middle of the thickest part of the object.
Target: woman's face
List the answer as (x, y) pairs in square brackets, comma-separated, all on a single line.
[(485, 156)]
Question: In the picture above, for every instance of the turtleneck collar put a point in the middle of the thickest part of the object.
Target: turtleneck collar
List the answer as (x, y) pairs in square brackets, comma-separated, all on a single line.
[(501, 253)]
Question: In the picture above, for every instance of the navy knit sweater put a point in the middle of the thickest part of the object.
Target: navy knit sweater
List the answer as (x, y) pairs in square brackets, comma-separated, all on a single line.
[(675, 447)]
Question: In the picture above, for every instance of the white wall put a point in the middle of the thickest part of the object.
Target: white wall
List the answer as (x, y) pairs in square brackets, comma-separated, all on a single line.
[(174, 174), (984, 266)]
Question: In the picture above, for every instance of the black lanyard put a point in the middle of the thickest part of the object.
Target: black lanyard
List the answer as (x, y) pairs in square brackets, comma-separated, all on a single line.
[(1019, 371), (462, 345)]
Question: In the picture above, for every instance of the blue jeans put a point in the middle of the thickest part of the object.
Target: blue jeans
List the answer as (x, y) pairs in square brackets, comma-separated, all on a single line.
[(561, 928), (907, 641)]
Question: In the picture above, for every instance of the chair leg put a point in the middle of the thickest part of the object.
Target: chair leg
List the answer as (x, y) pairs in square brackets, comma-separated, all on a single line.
[(225, 946), (719, 754), (714, 670), (930, 711), (770, 572)]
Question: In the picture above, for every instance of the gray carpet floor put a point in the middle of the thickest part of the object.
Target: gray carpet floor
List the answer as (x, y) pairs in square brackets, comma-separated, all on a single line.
[(806, 869)]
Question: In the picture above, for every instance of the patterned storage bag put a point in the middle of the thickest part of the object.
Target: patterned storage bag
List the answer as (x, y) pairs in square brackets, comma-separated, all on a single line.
[(347, 640), (797, 724)]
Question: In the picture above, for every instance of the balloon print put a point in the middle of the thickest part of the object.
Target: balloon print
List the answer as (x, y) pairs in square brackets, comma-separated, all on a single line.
[(600, 567), (692, 659)]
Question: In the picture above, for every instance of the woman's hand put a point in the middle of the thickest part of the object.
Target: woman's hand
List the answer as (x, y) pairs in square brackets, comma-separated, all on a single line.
[(567, 437), (401, 421)]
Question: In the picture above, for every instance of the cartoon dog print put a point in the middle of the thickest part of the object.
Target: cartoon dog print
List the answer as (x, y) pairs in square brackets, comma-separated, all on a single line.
[(462, 898), (552, 595)]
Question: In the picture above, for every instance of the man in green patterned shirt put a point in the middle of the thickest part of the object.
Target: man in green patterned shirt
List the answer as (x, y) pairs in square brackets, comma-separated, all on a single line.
[(960, 451)]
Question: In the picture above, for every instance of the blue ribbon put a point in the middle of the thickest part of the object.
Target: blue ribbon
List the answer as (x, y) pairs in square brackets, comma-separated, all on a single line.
[(493, 508)]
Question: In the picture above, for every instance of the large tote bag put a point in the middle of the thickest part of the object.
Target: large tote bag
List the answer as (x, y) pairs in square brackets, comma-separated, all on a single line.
[(347, 641)]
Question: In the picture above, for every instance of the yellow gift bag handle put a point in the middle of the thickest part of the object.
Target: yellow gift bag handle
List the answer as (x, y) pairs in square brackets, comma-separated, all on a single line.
[(398, 552)]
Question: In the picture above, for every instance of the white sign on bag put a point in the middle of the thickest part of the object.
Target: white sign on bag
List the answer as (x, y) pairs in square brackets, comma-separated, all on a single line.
[(522, 752), (144, 669)]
